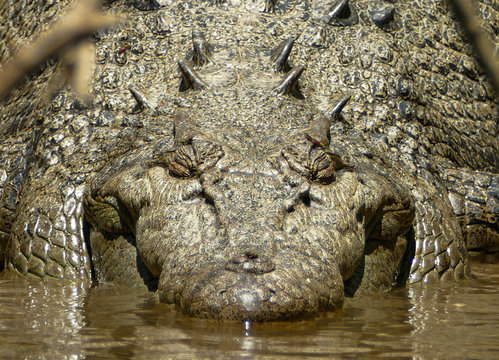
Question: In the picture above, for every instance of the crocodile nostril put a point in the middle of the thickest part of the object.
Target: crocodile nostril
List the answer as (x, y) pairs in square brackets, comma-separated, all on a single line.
[(250, 262), (251, 255)]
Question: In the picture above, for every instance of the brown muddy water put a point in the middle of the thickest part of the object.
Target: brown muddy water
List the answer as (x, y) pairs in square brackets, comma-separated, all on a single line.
[(56, 321)]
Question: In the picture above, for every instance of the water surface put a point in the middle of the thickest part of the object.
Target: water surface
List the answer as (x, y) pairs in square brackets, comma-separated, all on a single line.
[(53, 320)]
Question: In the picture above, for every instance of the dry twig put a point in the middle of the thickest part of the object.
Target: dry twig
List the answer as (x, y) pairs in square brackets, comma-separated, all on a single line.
[(84, 19), (485, 48)]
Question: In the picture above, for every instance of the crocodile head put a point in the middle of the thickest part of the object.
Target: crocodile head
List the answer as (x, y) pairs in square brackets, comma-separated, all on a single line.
[(254, 212), (243, 197)]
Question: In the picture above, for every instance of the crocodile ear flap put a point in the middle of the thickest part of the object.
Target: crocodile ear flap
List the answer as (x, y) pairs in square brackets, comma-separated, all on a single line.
[(183, 131), (190, 79), (318, 132)]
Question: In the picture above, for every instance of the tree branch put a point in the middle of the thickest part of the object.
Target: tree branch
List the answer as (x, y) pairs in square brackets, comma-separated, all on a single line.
[(485, 48), (83, 20)]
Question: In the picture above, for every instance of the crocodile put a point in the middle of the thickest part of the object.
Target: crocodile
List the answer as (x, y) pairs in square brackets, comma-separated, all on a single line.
[(254, 160)]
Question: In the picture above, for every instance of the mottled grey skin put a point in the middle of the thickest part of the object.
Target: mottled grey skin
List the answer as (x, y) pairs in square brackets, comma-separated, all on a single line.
[(236, 199)]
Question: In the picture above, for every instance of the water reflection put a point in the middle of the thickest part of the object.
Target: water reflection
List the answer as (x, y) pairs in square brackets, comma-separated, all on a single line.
[(62, 321), (460, 320), (38, 319)]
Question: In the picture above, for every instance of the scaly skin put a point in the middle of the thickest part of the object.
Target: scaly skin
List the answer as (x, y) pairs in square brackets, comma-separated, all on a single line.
[(238, 197)]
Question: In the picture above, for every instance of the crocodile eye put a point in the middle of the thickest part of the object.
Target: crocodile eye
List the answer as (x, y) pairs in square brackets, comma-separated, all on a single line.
[(191, 157), (323, 166), (312, 159), (180, 164)]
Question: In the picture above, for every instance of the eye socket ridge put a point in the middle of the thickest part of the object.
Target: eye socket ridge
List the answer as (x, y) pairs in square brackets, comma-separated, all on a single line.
[(313, 160), (180, 164), (191, 157), (323, 166)]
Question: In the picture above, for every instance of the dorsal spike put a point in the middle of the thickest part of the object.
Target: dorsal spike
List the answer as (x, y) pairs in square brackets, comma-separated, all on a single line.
[(142, 98), (281, 53), (340, 104), (146, 5), (270, 6), (337, 8), (382, 14), (341, 13), (201, 47), (189, 78), (288, 85)]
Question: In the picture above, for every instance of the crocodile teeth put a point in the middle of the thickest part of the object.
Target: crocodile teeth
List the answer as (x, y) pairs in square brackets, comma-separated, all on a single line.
[(280, 55), (189, 78), (202, 49), (288, 85)]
